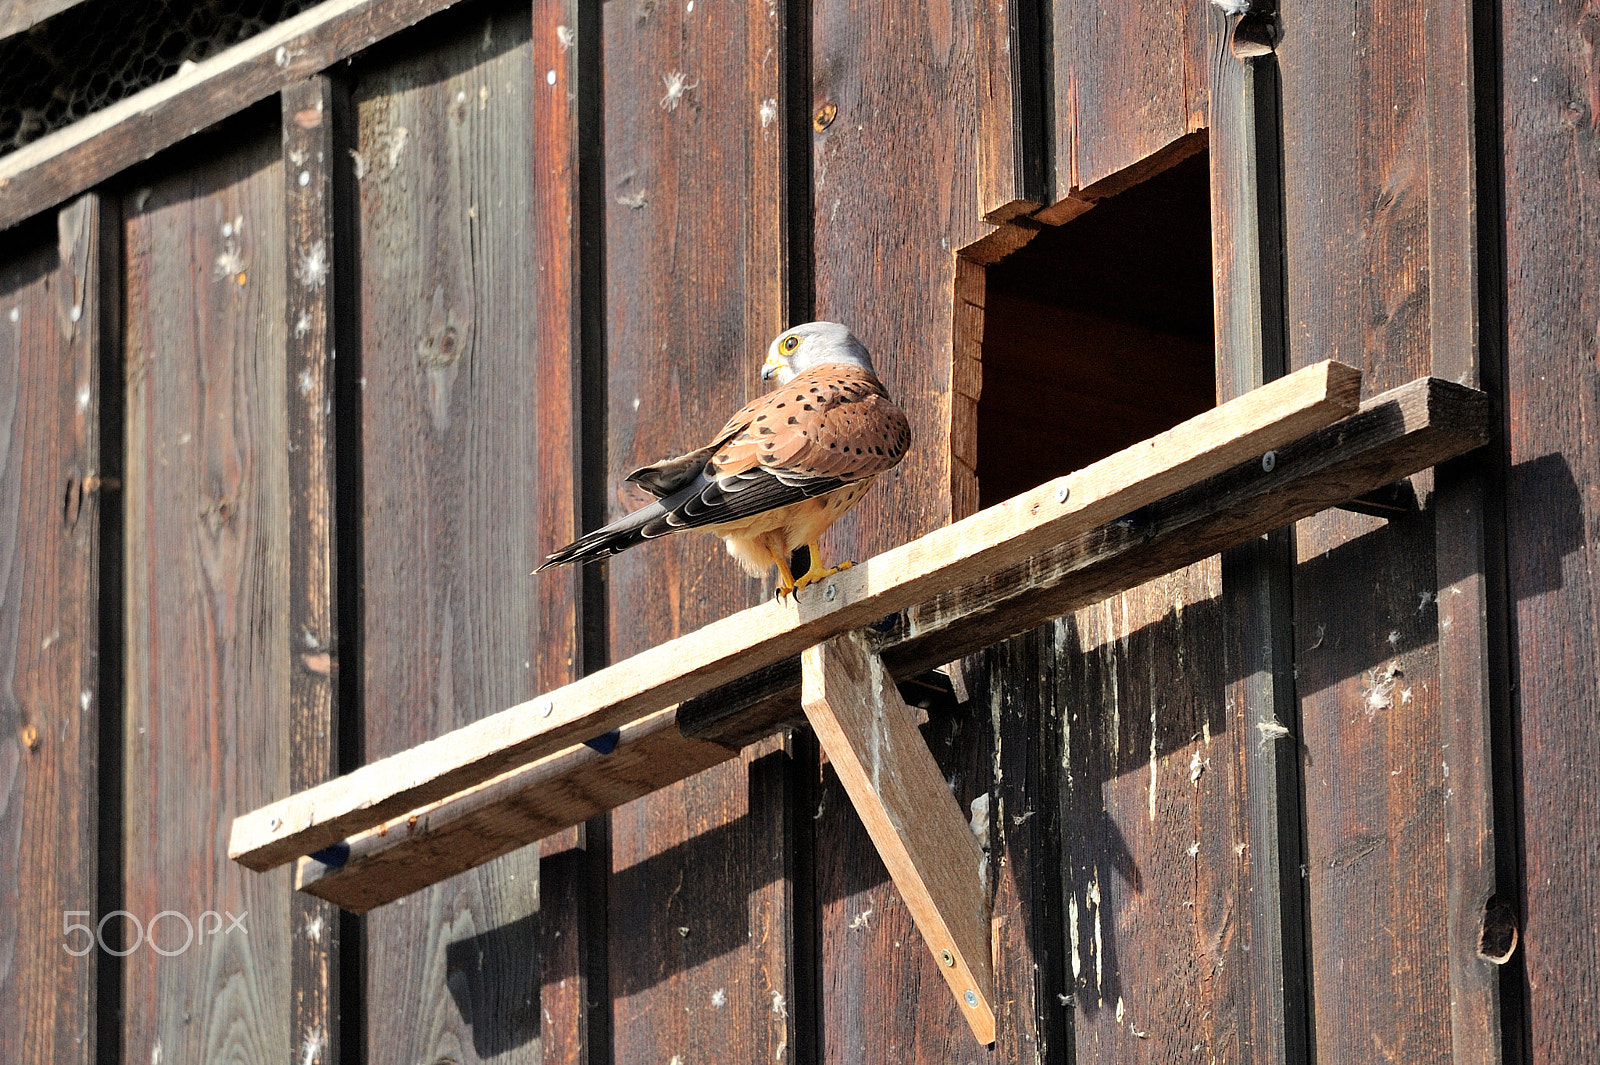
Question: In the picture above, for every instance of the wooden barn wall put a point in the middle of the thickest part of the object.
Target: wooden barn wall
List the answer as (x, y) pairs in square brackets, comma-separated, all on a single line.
[(388, 340), (1552, 504), (445, 280), (51, 307)]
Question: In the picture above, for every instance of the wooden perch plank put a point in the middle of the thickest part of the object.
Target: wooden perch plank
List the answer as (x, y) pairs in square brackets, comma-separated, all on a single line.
[(1395, 434), (1003, 535), (907, 809), (79, 156), (526, 804)]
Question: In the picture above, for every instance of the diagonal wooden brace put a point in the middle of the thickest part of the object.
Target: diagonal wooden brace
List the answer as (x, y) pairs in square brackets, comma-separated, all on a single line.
[(914, 821)]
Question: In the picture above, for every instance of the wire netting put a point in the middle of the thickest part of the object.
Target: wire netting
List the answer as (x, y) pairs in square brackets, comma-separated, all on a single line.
[(94, 54)]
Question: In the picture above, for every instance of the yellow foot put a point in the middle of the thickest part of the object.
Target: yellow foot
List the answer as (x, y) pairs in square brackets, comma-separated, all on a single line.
[(817, 573)]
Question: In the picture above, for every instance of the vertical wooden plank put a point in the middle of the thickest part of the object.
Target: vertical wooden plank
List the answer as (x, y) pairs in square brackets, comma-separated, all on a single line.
[(1257, 606), (1552, 404), (1469, 496), (885, 265), (207, 606), (572, 867), (694, 107), (1129, 80), (1356, 195), (448, 439), (1152, 860), (309, 161), (49, 691), (1013, 684)]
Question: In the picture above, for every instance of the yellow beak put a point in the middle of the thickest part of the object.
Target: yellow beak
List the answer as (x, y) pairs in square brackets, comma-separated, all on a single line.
[(771, 366)]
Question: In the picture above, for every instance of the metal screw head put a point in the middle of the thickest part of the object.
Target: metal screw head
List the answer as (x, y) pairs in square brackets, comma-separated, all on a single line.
[(1269, 461), (829, 592), (546, 707), (972, 999), (1061, 493), (946, 957), (275, 824)]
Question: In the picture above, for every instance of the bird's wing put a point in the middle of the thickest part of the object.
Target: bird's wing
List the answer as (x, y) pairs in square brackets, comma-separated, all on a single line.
[(828, 427)]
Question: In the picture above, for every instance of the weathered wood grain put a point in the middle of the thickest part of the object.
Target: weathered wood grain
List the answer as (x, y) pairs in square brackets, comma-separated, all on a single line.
[(1469, 501), (566, 131), (1129, 80), (447, 348), (1256, 602), (1547, 111), (207, 603), (50, 389), (79, 156), (1003, 535), (429, 845), (866, 730), (310, 158), (696, 281), (1356, 183)]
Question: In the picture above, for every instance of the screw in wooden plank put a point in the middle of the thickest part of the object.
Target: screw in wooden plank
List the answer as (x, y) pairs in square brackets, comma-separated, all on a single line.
[(1269, 461), (972, 998), (948, 958), (1062, 491)]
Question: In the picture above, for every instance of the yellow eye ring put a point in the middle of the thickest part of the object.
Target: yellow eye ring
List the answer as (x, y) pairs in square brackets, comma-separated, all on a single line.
[(790, 343)]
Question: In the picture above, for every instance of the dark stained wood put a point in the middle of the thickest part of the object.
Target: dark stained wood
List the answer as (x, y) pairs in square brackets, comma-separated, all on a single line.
[(912, 88), (1552, 512), (1356, 189), (449, 476), (207, 603), (50, 388), (695, 289), (1009, 100), (77, 157), (309, 161), (1129, 80), (1469, 503), (573, 864), (1256, 601)]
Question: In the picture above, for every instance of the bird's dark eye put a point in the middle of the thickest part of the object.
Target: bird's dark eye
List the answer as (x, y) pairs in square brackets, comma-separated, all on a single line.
[(790, 343)]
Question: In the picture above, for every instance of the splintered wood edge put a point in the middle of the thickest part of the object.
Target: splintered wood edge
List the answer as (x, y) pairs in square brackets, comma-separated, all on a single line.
[(1258, 421), (914, 821)]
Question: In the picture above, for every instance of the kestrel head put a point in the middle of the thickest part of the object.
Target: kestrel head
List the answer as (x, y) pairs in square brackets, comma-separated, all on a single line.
[(799, 349)]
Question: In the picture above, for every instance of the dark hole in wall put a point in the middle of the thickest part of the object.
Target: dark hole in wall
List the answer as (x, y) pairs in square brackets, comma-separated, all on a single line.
[(1098, 333)]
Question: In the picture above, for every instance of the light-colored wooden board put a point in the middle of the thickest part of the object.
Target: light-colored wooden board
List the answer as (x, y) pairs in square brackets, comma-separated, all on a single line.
[(82, 155), (867, 732), (531, 802), (1395, 434), (998, 536)]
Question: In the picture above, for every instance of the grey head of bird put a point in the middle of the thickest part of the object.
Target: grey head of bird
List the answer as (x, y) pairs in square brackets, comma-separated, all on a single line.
[(799, 349)]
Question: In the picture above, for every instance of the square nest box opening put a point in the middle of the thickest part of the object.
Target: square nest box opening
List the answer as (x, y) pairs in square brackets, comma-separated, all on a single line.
[(1096, 334)]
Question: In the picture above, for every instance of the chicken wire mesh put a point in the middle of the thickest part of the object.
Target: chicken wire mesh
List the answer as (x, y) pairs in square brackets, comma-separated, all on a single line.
[(92, 55)]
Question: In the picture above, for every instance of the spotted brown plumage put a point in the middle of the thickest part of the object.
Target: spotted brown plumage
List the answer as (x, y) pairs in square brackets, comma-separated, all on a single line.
[(782, 469)]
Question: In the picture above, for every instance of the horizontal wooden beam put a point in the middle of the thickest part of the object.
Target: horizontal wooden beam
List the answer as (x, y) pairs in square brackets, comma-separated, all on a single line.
[(529, 803), (77, 157), (1003, 535), (1395, 434)]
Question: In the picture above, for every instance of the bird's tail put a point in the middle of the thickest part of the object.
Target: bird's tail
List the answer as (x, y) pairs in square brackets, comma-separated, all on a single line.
[(643, 524)]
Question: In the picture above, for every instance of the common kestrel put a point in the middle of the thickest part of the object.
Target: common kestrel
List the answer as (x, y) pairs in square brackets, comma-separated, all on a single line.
[(782, 470)]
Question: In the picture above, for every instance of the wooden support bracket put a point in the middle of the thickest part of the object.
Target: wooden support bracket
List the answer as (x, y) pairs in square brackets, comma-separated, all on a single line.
[(890, 775)]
